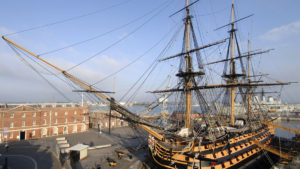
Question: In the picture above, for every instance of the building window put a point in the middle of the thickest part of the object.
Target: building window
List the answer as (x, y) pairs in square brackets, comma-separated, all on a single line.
[(75, 112), (23, 123), (75, 120), (44, 131), (34, 123), (33, 133), (55, 113), (66, 113), (55, 130), (55, 121), (11, 135), (74, 129), (12, 115), (11, 125), (65, 131), (83, 119), (34, 114), (23, 115), (83, 127), (45, 122), (66, 120), (45, 113)]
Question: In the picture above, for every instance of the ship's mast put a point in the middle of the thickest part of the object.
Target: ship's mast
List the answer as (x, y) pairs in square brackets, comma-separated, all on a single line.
[(248, 91), (232, 65), (188, 68)]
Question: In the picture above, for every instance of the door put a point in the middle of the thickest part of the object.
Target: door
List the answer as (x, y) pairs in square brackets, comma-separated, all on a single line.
[(22, 135)]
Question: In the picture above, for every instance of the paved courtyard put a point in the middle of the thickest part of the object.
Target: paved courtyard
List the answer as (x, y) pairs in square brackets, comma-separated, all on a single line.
[(21, 155), (41, 153)]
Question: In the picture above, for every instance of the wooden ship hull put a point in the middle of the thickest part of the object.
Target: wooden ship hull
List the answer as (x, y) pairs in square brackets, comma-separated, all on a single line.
[(223, 154), (215, 143)]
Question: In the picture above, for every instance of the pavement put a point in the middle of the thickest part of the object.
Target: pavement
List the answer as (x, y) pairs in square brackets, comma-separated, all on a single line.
[(21, 155), (41, 153), (126, 140)]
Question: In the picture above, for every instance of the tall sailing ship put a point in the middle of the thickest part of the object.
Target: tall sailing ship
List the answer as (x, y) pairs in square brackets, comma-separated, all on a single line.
[(219, 138)]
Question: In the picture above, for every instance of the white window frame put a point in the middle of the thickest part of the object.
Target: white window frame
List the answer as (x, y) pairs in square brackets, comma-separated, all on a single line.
[(11, 135), (83, 127), (23, 124), (11, 125), (65, 131), (12, 115), (55, 130), (34, 114), (74, 128), (44, 132)]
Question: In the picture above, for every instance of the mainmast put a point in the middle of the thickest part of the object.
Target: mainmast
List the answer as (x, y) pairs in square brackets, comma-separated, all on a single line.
[(232, 66), (188, 68)]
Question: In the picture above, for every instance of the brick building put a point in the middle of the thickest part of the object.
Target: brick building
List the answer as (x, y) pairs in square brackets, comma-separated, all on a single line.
[(30, 121), (101, 115)]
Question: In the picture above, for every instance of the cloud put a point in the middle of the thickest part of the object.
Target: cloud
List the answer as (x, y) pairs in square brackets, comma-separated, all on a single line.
[(282, 32), (108, 64)]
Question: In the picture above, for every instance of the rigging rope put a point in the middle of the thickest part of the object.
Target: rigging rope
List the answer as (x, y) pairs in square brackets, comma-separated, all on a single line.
[(68, 19), (99, 35), (66, 80), (120, 40), (135, 60), (150, 69), (153, 65), (35, 70)]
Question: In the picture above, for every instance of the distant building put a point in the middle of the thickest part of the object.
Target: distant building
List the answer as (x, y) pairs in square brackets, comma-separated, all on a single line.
[(31, 121), (272, 105), (101, 116)]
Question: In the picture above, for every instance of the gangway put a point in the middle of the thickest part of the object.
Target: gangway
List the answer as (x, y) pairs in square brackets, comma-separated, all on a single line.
[(281, 127), (273, 150)]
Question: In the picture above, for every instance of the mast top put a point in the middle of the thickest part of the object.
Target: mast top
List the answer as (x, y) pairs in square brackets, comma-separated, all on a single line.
[(186, 7)]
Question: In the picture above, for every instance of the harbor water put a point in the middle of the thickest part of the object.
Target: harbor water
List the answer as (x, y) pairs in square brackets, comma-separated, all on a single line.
[(171, 108)]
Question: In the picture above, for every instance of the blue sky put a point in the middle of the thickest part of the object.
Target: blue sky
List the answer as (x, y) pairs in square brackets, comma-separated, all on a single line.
[(276, 24)]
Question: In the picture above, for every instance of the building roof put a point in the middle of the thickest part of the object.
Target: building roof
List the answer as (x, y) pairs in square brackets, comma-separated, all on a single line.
[(78, 147)]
